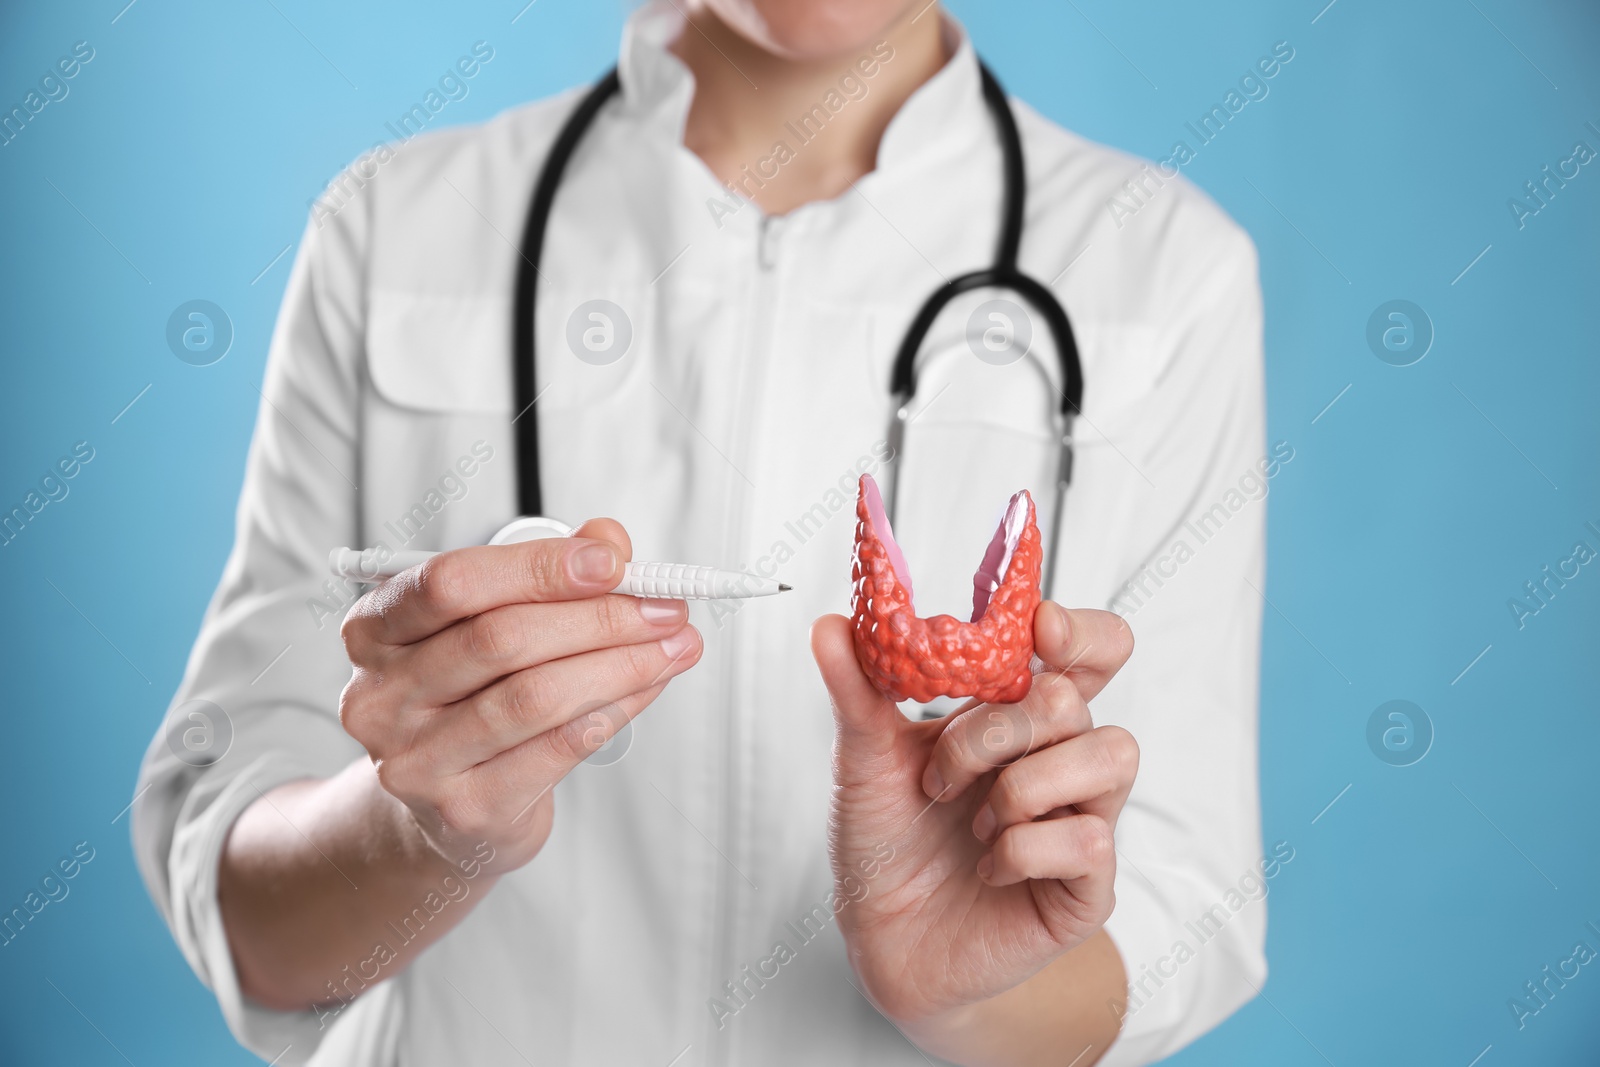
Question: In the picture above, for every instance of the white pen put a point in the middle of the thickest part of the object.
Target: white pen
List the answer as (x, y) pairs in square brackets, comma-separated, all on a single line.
[(667, 581)]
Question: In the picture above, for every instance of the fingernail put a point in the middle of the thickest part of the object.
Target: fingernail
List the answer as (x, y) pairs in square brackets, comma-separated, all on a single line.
[(594, 563), (657, 612), (983, 825), (986, 866), (933, 783), (677, 646)]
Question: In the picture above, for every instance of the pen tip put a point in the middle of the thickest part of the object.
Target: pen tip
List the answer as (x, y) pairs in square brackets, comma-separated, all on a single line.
[(784, 588)]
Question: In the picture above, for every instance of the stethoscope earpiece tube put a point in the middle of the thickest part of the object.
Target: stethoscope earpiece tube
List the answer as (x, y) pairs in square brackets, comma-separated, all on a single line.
[(1016, 179), (524, 352)]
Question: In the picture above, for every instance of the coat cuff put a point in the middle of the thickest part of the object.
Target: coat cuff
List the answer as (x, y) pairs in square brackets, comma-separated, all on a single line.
[(281, 1037), (1140, 928)]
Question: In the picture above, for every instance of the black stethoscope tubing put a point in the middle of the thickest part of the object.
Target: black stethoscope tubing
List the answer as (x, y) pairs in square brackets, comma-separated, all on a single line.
[(1003, 274)]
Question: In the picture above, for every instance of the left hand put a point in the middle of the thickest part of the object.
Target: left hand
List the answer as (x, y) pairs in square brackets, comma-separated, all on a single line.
[(984, 839)]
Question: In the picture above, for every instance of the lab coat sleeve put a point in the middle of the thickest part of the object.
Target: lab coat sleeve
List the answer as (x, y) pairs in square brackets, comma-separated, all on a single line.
[(268, 656), (1190, 919)]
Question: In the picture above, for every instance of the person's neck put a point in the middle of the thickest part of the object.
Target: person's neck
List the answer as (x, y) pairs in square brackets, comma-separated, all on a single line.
[(763, 123)]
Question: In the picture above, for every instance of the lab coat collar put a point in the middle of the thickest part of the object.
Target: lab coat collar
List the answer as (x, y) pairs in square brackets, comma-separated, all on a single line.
[(943, 114), (656, 86)]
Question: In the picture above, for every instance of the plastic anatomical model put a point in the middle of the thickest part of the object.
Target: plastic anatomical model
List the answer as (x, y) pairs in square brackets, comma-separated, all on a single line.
[(907, 657)]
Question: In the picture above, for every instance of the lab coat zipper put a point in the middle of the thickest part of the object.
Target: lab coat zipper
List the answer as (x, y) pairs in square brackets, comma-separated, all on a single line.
[(752, 385)]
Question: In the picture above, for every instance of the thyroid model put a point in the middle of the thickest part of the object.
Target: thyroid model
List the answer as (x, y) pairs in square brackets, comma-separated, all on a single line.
[(907, 657)]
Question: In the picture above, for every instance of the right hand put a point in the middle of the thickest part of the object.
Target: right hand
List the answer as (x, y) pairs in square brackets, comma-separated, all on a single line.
[(485, 675)]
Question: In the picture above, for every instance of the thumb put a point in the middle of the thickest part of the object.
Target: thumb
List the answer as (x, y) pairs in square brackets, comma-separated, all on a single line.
[(868, 722), (607, 530)]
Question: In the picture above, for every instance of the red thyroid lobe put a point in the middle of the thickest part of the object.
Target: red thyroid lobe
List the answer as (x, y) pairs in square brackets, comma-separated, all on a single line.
[(907, 657)]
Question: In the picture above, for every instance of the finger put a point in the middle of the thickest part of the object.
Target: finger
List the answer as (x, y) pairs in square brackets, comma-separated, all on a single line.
[(463, 658), (1090, 645), (867, 721), (607, 530), (975, 742), (468, 581), (532, 701), (1093, 772), (506, 792), (1076, 849)]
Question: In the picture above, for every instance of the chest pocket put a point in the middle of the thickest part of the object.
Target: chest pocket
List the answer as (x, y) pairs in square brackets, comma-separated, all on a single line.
[(440, 353), (1121, 365), (434, 352)]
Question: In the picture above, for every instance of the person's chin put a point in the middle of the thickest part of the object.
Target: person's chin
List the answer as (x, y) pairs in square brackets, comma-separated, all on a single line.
[(815, 32)]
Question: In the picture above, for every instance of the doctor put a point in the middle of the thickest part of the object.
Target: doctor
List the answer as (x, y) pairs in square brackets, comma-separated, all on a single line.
[(486, 814)]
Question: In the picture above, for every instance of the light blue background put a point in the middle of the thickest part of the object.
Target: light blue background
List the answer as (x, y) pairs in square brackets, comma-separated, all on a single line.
[(1378, 167)]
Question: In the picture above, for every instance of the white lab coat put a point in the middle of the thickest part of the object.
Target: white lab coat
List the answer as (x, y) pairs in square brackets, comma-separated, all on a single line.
[(753, 390)]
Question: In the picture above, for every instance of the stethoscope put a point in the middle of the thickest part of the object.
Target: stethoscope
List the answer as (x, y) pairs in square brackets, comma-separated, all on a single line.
[(1004, 274)]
